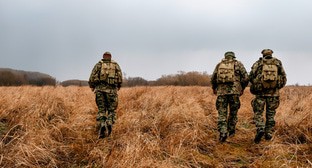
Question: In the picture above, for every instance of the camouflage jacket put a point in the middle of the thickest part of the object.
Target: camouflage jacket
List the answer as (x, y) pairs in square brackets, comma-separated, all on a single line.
[(96, 81), (255, 76), (237, 87)]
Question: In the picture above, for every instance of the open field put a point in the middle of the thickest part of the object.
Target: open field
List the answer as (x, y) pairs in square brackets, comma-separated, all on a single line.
[(156, 127)]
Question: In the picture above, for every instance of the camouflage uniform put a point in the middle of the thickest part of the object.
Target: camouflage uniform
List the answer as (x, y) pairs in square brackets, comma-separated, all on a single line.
[(264, 97), (105, 87), (228, 96)]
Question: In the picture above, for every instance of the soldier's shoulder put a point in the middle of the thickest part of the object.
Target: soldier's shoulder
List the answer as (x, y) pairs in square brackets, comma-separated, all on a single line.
[(218, 64), (99, 64), (114, 62), (277, 61), (259, 61), (239, 62)]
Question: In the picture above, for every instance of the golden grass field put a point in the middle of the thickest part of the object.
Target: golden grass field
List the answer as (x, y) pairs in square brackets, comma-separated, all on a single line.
[(156, 127)]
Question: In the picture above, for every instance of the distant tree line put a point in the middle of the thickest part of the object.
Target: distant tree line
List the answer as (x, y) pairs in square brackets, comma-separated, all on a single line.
[(181, 79), (10, 77), (74, 83)]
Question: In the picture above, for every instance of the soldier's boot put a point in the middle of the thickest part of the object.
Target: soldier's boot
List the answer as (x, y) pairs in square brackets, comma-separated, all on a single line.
[(109, 130), (109, 127), (258, 136), (231, 133), (268, 136), (231, 129), (222, 137), (268, 133), (102, 130)]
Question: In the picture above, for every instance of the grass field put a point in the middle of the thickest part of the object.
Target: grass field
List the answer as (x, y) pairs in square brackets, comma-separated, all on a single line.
[(156, 127)]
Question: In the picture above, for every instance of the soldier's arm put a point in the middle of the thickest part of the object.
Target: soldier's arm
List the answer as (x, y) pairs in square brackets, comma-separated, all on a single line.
[(243, 76), (119, 74), (282, 79), (213, 79), (253, 72), (94, 76)]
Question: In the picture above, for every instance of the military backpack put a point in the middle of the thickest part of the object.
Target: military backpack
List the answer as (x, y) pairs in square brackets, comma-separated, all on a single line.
[(269, 73), (226, 72), (109, 73)]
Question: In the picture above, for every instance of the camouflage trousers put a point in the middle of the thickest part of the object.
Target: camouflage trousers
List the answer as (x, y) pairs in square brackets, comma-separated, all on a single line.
[(107, 104), (271, 103), (227, 122)]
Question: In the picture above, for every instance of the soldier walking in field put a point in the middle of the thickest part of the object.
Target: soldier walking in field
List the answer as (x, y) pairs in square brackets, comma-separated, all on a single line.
[(228, 80), (105, 80), (267, 77)]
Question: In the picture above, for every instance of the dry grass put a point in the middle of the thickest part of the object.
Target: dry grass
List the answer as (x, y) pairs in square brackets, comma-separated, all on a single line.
[(156, 127)]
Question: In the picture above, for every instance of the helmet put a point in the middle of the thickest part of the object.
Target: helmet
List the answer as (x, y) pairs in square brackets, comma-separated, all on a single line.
[(266, 52), (229, 54), (107, 53)]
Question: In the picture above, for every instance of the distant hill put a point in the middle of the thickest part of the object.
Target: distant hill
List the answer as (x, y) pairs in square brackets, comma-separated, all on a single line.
[(12, 77)]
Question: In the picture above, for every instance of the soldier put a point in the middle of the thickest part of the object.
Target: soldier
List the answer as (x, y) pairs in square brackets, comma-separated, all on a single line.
[(104, 81), (228, 80), (267, 76)]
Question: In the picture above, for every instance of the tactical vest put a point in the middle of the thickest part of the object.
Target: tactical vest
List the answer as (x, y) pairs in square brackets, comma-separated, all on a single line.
[(109, 73), (226, 73), (269, 73)]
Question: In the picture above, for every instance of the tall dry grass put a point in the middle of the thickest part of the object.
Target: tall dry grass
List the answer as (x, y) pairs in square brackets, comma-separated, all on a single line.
[(156, 127)]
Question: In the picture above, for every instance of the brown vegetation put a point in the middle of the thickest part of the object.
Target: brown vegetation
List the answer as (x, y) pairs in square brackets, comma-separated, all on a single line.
[(156, 127)]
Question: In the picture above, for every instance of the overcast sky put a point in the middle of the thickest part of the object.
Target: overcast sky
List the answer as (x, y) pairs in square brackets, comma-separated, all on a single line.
[(151, 38)]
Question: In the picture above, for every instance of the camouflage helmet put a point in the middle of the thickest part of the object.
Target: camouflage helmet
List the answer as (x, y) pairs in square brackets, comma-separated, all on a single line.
[(229, 54), (266, 52)]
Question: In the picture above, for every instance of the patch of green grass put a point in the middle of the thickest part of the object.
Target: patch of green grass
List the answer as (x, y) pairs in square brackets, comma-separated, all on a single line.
[(2, 128), (246, 125)]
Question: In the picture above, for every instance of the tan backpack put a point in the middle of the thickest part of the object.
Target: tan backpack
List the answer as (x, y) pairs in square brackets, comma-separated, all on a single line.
[(269, 73), (226, 73), (109, 72)]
